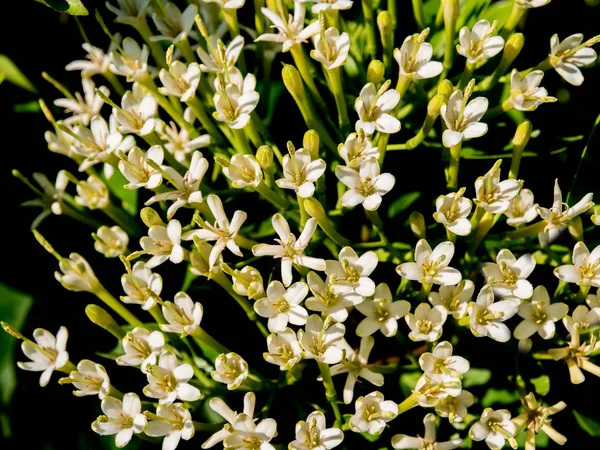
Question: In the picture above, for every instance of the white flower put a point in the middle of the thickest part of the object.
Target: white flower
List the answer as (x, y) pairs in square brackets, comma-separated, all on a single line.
[(300, 172), (455, 408), (427, 323), (593, 301), (372, 413), (168, 381), (539, 315), (199, 260), (89, 379), (249, 435), (441, 365), (92, 194), (382, 313), (431, 267), (328, 5), (454, 298), (174, 25), (357, 149), (291, 32), (180, 80), (414, 56), (532, 3), (187, 188), (243, 171), (328, 300), (430, 392), (585, 270), (521, 209), (525, 93), (282, 306), (577, 356), (142, 348), (373, 108), (136, 284), (77, 274), (560, 214), (462, 119), (236, 99), (163, 243), (136, 115), (536, 417), (478, 44), (284, 349), (313, 434), (567, 61), (290, 250), (121, 418), (582, 319), (83, 107), (132, 62), (494, 195), (495, 427), (334, 52), (111, 242), (228, 4), (178, 142), (367, 185), (452, 211), (174, 422), (97, 61), (130, 12), (352, 273), (230, 369), (221, 408), (220, 58), (355, 364), (183, 316), (137, 170), (320, 340), (247, 282), (428, 441), (60, 142), (508, 276), (486, 317), (47, 353)]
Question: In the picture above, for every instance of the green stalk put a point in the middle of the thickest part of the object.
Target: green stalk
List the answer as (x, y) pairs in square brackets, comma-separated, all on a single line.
[(335, 82), (452, 174), (101, 292), (200, 113), (330, 392), (271, 196), (371, 46), (301, 62)]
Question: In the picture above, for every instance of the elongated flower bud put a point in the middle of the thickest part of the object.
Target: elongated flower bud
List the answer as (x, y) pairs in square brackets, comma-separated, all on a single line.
[(151, 217), (519, 142), (435, 105), (417, 224), (292, 80), (445, 87), (512, 48), (103, 319), (311, 143), (375, 72), (264, 156)]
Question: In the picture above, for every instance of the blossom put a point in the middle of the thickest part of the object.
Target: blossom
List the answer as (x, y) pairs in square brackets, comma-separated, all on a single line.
[(532, 3), (174, 422), (282, 306), (331, 47), (60, 142), (291, 32), (536, 417), (220, 58), (357, 149), (582, 318), (178, 142), (83, 107), (373, 108), (441, 365), (427, 323), (168, 381), (478, 44), (569, 55), (367, 185), (352, 273), (132, 62), (228, 4), (290, 250), (230, 369), (47, 353), (525, 93), (429, 392), (92, 193), (452, 211), (284, 349), (221, 408), (243, 171), (585, 270), (486, 316), (508, 276), (89, 379), (142, 348), (372, 413), (247, 282), (111, 242), (174, 25), (355, 364), (183, 316), (454, 298), (236, 99), (577, 357), (136, 115), (455, 408), (77, 274), (130, 12), (136, 284), (320, 340), (137, 170), (539, 315), (495, 427), (414, 58), (328, 5), (96, 61), (180, 80), (462, 119), (328, 300), (312, 434), (300, 173), (431, 267), (428, 441), (163, 243), (199, 257), (494, 195), (521, 209), (121, 418), (250, 435), (382, 313)]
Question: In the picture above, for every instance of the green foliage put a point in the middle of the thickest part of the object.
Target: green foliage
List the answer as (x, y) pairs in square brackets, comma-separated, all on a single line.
[(541, 384), (402, 203), (587, 424), (10, 72), (73, 7), (476, 377)]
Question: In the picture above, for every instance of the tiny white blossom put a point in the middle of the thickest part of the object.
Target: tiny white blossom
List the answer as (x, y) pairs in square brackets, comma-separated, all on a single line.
[(431, 267), (532, 3), (92, 193), (178, 142), (284, 349), (199, 258), (138, 172), (382, 313), (136, 115), (183, 316), (220, 58), (462, 119), (300, 173), (521, 209), (76, 274), (282, 306), (328, 5), (427, 323), (536, 418), (567, 61), (132, 62), (367, 185), (250, 435), (320, 340), (494, 195), (372, 413), (374, 107), (455, 408), (414, 58), (60, 141), (508, 276), (312, 434), (539, 315), (429, 392), (357, 149), (352, 273), (290, 32), (235, 100), (452, 211), (174, 26), (486, 316), (441, 364), (454, 298), (221, 408), (142, 348), (89, 379), (525, 93), (111, 242), (168, 381), (585, 270), (230, 369), (83, 108), (495, 427), (136, 284), (174, 422), (577, 356), (328, 300), (428, 441), (163, 243), (331, 47), (582, 319), (228, 4), (243, 171), (180, 80), (121, 418), (47, 354), (130, 12), (478, 43), (247, 282), (96, 61)]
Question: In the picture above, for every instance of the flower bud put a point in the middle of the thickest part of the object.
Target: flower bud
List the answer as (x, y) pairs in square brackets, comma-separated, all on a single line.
[(375, 72), (110, 241), (576, 228), (519, 142), (417, 224), (512, 48), (12, 331), (450, 11), (445, 87), (311, 143), (435, 105), (104, 320), (264, 156), (314, 208), (292, 80), (77, 274), (151, 218), (385, 23)]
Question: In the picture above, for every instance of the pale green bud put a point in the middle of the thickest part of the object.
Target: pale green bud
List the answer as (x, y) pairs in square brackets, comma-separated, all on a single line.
[(576, 228), (292, 80), (435, 105), (375, 72), (385, 23), (104, 320), (151, 218), (445, 87), (311, 143), (417, 224), (264, 156), (314, 208)]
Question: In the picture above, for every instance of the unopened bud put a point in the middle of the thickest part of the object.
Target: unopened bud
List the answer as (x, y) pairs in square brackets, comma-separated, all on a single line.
[(12, 331), (222, 161), (512, 48), (170, 51), (103, 319), (519, 142), (292, 80), (450, 11), (576, 228), (311, 143), (385, 23), (435, 105), (445, 87), (375, 72), (264, 156), (525, 345), (314, 208), (151, 218), (417, 224), (365, 233), (47, 246), (201, 26)]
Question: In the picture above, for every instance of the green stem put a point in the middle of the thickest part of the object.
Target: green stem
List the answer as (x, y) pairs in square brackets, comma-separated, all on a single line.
[(371, 45), (200, 113), (114, 82), (123, 219), (513, 20), (271, 196), (186, 50), (207, 339), (466, 75), (407, 404), (303, 66), (157, 51), (114, 304), (241, 141), (335, 81), (330, 393), (303, 214), (452, 174)]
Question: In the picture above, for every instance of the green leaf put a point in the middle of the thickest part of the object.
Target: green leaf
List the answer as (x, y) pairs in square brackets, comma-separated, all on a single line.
[(587, 424), (128, 197), (430, 10), (32, 106), (471, 153), (408, 382), (73, 7), (498, 11), (14, 307), (402, 203), (476, 377), (541, 384), (11, 73), (499, 396)]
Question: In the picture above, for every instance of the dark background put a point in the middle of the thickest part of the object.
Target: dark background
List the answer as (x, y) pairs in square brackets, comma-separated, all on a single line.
[(37, 38)]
